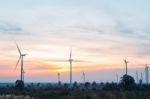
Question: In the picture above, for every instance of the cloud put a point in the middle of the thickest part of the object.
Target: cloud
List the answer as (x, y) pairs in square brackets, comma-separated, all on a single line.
[(121, 27), (61, 60), (44, 68), (9, 27)]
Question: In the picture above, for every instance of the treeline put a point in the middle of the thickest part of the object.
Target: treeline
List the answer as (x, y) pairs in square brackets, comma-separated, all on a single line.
[(125, 89), (108, 91)]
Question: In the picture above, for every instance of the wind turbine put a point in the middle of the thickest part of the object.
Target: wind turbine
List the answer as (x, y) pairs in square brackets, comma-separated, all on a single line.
[(83, 77), (137, 78), (141, 80), (147, 74), (117, 77), (70, 61), (20, 59), (23, 75), (58, 78), (126, 63)]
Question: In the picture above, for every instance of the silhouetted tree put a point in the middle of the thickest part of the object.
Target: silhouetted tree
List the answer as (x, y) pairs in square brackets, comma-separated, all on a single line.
[(32, 85), (102, 84), (127, 82), (38, 85), (75, 84), (87, 84), (66, 86), (19, 85), (59, 83), (94, 85)]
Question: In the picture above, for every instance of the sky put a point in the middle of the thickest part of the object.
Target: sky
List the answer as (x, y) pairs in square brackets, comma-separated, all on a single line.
[(101, 34)]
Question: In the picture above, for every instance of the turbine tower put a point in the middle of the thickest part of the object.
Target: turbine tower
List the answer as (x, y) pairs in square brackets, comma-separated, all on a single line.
[(58, 78), (23, 75), (137, 77), (117, 77), (83, 77), (70, 61), (142, 76), (141, 80), (20, 59), (126, 64), (147, 74)]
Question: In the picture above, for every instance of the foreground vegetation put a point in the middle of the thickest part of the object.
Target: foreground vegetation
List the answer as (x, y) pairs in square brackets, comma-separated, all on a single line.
[(73, 94), (126, 89)]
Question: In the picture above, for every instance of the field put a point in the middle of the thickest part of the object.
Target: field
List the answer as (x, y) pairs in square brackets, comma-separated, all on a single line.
[(126, 89), (73, 94)]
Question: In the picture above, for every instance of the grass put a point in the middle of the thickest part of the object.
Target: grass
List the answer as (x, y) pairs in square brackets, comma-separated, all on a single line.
[(73, 94)]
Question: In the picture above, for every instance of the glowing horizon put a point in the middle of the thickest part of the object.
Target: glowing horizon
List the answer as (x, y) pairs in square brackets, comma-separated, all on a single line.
[(101, 33)]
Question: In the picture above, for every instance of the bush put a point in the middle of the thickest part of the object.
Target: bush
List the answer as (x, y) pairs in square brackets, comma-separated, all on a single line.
[(19, 85), (127, 82)]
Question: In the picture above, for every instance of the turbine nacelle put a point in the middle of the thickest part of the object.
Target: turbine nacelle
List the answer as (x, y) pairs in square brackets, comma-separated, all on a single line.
[(23, 54), (70, 60), (126, 61)]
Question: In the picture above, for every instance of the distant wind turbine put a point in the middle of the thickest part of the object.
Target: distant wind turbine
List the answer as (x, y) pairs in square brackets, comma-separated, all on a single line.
[(147, 74), (23, 75), (58, 78), (83, 77), (137, 77), (126, 64), (117, 77), (20, 59), (70, 61), (141, 81)]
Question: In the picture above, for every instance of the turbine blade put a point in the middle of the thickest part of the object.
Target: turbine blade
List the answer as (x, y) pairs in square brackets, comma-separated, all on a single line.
[(57, 60), (124, 60), (18, 48), (80, 61), (17, 63)]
